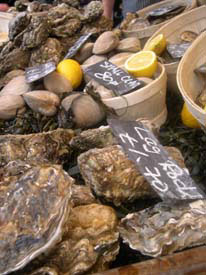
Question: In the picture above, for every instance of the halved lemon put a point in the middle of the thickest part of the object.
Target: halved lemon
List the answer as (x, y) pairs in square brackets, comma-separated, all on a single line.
[(188, 119), (157, 44), (142, 64)]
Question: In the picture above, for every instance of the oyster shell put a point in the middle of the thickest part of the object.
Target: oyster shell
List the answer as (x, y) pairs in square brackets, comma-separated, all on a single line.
[(50, 147), (81, 195), (44, 102), (18, 23), (93, 10), (51, 50), (34, 205), (100, 25), (164, 228), (67, 29), (110, 174)]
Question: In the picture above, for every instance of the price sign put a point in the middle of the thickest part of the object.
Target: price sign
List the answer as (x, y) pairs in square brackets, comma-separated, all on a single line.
[(78, 44), (113, 78), (38, 72), (162, 172), (178, 50)]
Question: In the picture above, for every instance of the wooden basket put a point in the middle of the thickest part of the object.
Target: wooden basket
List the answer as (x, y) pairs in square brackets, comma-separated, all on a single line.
[(194, 20), (4, 21), (145, 33), (148, 102), (190, 84)]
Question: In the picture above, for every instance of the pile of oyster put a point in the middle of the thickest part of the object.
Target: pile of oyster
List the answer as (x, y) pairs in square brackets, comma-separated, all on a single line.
[(53, 223)]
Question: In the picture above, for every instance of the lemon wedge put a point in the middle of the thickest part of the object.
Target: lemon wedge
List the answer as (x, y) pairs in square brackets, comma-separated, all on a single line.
[(142, 64), (188, 119), (157, 44)]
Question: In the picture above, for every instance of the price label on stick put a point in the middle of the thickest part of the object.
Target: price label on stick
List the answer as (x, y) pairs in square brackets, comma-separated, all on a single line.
[(113, 78), (78, 44), (38, 72), (162, 172)]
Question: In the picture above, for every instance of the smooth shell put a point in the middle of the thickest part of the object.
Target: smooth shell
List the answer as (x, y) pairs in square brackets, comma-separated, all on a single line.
[(84, 53), (57, 83), (67, 101), (105, 43), (43, 102), (9, 106), (130, 44), (16, 86)]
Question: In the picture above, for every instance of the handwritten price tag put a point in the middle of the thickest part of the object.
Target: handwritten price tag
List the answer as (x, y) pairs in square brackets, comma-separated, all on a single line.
[(38, 72), (113, 78), (163, 173)]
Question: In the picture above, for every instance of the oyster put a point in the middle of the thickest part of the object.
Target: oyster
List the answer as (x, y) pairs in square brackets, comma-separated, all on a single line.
[(34, 205), (51, 50), (36, 32), (67, 29), (12, 58), (50, 147), (18, 24), (98, 26), (164, 228), (93, 10), (110, 174), (81, 195)]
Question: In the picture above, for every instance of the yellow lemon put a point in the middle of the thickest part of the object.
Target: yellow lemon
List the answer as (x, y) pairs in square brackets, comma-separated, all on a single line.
[(142, 64), (71, 69), (157, 44), (188, 119)]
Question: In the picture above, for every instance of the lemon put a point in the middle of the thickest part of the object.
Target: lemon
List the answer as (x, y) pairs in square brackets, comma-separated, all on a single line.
[(188, 119), (157, 44), (142, 64), (71, 69)]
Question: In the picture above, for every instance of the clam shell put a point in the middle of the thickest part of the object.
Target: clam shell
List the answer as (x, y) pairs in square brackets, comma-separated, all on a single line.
[(84, 53), (120, 58), (101, 90), (130, 44), (86, 111), (188, 36), (57, 83), (105, 43), (34, 205), (9, 105), (67, 101), (16, 86), (43, 102)]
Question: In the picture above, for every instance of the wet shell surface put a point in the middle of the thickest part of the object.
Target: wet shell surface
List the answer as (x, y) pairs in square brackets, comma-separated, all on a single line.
[(16, 86), (111, 175), (130, 44), (163, 229), (86, 111), (43, 102), (9, 106), (105, 43), (34, 204), (57, 83), (85, 52)]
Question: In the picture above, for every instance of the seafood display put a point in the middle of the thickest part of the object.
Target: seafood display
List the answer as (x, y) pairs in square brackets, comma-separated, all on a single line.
[(72, 201)]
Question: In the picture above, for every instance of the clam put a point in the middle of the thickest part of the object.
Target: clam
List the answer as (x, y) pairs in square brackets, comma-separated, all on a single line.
[(9, 106), (130, 44), (188, 36), (105, 43), (84, 53), (10, 75), (43, 102), (16, 86), (101, 90), (86, 112), (35, 201), (57, 83), (120, 58), (67, 101)]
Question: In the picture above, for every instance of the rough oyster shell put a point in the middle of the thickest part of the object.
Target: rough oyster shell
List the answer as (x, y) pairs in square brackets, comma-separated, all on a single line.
[(9, 106), (100, 25), (44, 102), (164, 228), (34, 205), (81, 195), (112, 175), (17, 86), (18, 23), (93, 10), (50, 51), (90, 240), (67, 29), (50, 147)]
